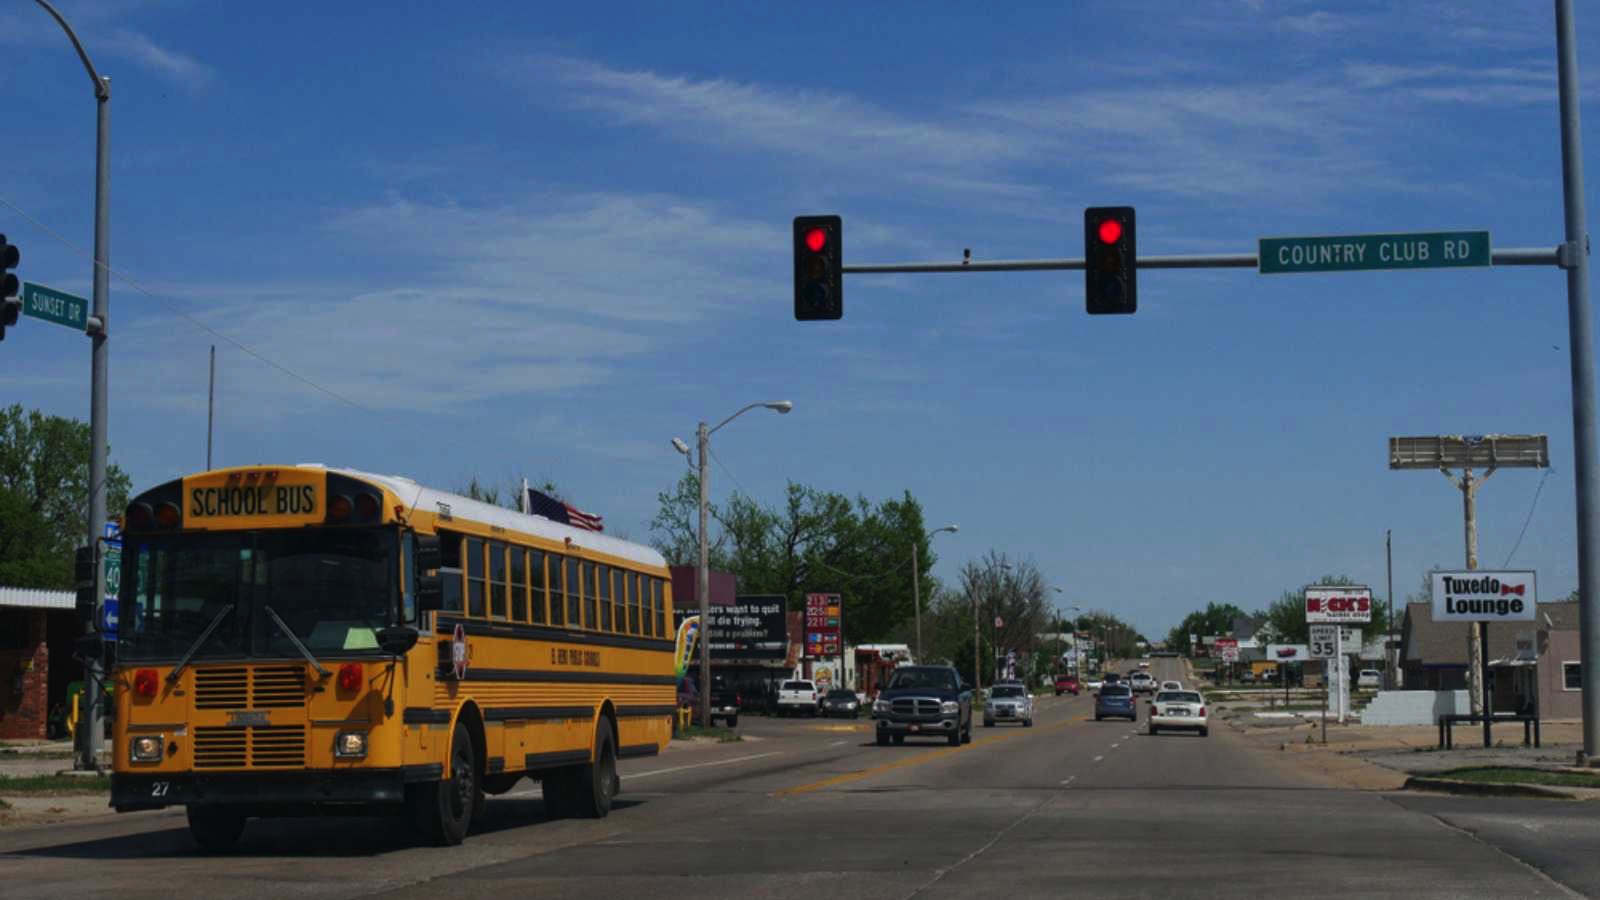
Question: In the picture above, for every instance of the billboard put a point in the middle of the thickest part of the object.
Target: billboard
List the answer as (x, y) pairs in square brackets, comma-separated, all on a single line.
[(752, 627), (1338, 603), (1477, 595)]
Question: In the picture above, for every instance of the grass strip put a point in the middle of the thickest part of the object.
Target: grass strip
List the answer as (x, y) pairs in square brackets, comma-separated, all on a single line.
[(1514, 775), (721, 733), (54, 784)]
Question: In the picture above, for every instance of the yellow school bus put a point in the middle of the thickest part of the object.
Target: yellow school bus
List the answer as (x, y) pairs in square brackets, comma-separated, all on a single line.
[(298, 639)]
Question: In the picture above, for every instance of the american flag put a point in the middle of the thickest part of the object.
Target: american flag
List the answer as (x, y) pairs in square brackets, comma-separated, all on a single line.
[(542, 504)]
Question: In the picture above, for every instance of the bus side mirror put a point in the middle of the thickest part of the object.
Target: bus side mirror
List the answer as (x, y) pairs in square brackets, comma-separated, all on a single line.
[(397, 640), (430, 587)]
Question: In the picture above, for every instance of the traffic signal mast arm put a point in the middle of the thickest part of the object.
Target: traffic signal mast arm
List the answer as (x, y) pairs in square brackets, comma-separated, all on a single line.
[(1512, 256)]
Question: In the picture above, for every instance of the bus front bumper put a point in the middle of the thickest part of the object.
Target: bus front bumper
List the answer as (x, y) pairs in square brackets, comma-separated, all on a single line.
[(283, 791)]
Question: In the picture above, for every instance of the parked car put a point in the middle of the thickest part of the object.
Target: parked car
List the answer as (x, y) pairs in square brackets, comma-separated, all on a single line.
[(1369, 678), (924, 700), (1067, 684), (841, 702), (798, 698), (725, 705), (1008, 703), (1184, 710), (1116, 700), (1142, 683)]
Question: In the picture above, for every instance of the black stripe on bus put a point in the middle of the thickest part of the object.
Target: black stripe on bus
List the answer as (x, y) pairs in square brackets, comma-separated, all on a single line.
[(447, 626), (510, 713), (422, 715), (425, 772), (558, 758), (563, 677), (628, 712), (636, 750)]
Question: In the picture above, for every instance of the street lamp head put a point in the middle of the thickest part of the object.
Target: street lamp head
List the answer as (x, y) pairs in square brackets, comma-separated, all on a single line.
[(780, 406), (680, 446)]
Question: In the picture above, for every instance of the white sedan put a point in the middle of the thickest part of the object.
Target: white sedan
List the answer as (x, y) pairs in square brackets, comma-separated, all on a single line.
[(1174, 710)]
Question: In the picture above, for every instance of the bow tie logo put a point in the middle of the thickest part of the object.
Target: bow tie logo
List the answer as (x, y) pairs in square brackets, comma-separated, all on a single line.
[(1508, 589)]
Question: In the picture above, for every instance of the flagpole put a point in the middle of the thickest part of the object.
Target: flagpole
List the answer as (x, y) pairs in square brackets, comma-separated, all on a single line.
[(522, 498)]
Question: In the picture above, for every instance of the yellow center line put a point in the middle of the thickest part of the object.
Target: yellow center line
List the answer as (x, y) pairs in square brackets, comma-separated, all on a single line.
[(919, 759)]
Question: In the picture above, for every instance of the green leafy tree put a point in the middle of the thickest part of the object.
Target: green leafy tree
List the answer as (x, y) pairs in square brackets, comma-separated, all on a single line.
[(1215, 619), (44, 496)]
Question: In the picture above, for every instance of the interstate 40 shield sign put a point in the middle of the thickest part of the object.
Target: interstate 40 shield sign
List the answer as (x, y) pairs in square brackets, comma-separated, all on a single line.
[(1476, 595)]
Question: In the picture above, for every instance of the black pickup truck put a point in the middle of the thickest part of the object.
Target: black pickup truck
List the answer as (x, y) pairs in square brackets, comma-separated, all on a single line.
[(725, 704), (924, 700)]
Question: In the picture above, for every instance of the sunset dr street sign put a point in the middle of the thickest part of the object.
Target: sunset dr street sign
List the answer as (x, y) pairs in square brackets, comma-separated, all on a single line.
[(1353, 252), (55, 306)]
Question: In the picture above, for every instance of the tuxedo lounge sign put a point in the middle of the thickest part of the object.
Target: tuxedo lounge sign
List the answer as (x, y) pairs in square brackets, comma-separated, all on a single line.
[(1481, 596)]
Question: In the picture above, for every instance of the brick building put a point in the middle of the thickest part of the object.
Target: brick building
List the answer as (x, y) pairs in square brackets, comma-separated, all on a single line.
[(35, 631)]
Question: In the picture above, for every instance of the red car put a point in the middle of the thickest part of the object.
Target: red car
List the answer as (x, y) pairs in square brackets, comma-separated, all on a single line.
[(1067, 684)]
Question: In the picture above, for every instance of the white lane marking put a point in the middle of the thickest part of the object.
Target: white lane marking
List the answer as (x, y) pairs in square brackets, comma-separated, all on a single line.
[(1098, 758), (1115, 746), (720, 762), (1069, 779), (837, 743)]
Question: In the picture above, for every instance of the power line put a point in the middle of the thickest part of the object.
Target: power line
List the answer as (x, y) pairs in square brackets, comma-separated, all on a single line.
[(172, 308), (1531, 507)]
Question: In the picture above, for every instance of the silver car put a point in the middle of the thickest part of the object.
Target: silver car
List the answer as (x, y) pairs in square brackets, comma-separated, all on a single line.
[(1008, 703)]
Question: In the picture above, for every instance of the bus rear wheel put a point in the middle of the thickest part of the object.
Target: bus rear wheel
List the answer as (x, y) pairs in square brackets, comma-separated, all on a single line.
[(443, 809), (215, 829), (595, 784)]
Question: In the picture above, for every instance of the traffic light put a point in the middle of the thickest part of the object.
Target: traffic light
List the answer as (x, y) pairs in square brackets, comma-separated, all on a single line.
[(1109, 258), (818, 268), (10, 306)]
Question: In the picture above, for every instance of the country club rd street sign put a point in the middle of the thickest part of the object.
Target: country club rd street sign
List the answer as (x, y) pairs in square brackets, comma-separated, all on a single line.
[(1354, 252), (55, 306)]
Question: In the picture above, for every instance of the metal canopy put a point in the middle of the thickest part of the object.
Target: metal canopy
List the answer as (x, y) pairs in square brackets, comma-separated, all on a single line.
[(1487, 451)]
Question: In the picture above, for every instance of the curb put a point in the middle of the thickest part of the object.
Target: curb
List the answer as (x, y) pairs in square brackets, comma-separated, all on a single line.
[(1486, 789)]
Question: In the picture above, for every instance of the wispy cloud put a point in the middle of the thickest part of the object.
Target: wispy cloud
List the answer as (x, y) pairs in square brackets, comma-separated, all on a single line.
[(179, 67)]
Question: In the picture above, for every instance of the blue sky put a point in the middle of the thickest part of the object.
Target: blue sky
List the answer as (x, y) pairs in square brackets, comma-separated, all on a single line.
[(543, 239)]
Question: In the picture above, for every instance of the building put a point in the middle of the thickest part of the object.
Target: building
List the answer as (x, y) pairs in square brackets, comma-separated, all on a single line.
[(36, 664), (1533, 666)]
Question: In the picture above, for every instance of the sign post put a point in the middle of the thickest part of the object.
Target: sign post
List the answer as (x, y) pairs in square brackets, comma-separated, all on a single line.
[(1481, 596), (1340, 604), (1325, 646)]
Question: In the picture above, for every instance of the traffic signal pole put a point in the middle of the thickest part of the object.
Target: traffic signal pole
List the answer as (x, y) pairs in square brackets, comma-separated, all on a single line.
[(90, 730), (1510, 256), (1580, 331)]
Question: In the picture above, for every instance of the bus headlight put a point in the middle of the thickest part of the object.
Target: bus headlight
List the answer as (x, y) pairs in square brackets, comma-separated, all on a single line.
[(146, 748), (350, 745)]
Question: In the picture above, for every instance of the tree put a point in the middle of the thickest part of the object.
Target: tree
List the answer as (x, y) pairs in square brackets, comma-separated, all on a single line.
[(816, 541), (44, 496), (1015, 593), (1215, 619), (509, 496)]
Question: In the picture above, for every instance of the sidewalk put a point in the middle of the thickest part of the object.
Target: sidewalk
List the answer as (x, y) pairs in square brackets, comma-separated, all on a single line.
[(1388, 757)]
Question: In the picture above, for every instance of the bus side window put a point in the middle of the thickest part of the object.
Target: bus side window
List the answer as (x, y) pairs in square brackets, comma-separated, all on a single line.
[(497, 580), (450, 574), (408, 575), (537, 582), (574, 594), (558, 590), (619, 599), (641, 605), (519, 584), (591, 618), (630, 597), (475, 588), (603, 578), (658, 609)]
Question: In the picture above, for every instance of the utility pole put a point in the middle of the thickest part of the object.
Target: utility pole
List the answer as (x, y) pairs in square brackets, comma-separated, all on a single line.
[(1392, 653), (702, 585), (211, 409), (1477, 678)]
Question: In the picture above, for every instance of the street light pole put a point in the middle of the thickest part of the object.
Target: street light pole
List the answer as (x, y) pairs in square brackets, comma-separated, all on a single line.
[(98, 327), (916, 590), (703, 569)]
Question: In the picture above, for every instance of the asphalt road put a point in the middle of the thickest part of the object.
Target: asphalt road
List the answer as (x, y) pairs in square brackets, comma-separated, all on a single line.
[(812, 808)]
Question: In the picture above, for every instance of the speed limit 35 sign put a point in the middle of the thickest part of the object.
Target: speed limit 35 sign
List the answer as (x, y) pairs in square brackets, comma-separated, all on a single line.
[(1324, 641)]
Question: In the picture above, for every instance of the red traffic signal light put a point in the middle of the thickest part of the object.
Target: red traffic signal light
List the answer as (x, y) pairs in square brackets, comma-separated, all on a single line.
[(818, 268), (1110, 261)]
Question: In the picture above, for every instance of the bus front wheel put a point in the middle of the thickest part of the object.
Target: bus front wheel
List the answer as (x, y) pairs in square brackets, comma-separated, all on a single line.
[(215, 829), (443, 809)]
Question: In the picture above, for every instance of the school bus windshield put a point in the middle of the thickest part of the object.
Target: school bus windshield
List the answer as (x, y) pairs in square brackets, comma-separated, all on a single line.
[(332, 587)]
